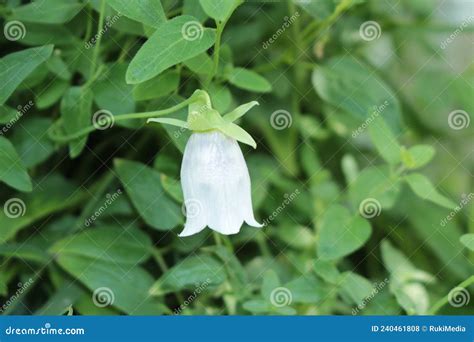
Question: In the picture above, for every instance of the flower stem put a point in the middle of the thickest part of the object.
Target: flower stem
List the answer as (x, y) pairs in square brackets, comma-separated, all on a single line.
[(442, 302), (145, 115)]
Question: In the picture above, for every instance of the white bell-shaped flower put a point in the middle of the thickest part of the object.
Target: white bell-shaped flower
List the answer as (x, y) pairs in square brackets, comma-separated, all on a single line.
[(214, 176), (216, 185)]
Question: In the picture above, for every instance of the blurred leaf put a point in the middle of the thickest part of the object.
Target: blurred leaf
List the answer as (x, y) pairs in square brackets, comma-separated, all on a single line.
[(307, 289), (168, 46), (326, 270), (423, 188), (192, 272), (15, 67), (355, 287), (76, 112), (148, 12), (376, 182), (156, 87), (341, 234), (126, 288), (51, 194), (384, 140), (417, 156), (219, 9), (47, 11), (468, 241), (248, 80), (51, 94), (12, 170), (143, 186), (352, 87), (24, 251), (113, 94), (32, 142), (112, 244)]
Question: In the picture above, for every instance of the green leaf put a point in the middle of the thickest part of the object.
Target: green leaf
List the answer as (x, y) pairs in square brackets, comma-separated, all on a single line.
[(354, 88), (112, 93), (220, 9), (341, 234), (400, 267), (24, 251), (51, 94), (423, 188), (326, 270), (194, 271), (248, 80), (307, 289), (201, 64), (468, 241), (355, 287), (125, 288), (172, 187), (148, 12), (48, 11), (221, 97), (113, 244), (168, 46), (76, 112), (269, 284), (15, 67), (143, 186), (31, 141), (158, 86), (12, 170), (52, 194), (384, 140), (377, 183), (417, 156)]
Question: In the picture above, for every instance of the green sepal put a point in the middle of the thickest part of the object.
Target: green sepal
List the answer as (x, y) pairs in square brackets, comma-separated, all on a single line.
[(239, 111), (202, 118)]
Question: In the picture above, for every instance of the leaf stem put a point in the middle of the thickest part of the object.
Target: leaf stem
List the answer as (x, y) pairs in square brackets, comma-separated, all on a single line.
[(443, 301), (217, 47), (95, 53)]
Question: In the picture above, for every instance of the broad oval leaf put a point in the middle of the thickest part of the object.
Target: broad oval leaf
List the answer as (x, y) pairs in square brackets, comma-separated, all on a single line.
[(249, 80), (15, 67), (220, 9), (148, 12), (341, 233), (143, 186), (173, 42), (12, 169), (48, 11)]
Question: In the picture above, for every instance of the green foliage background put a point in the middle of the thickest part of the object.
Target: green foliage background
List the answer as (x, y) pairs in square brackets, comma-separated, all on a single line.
[(361, 174)]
